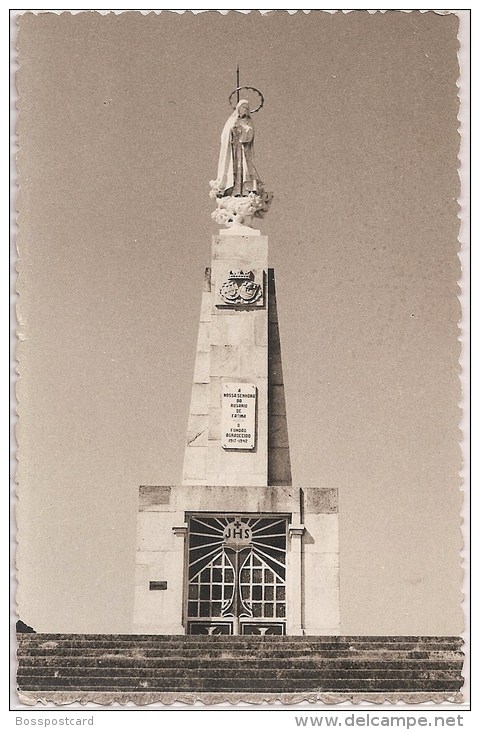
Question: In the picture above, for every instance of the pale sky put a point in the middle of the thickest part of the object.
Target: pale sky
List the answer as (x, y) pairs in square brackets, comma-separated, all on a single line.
[(119, 126)]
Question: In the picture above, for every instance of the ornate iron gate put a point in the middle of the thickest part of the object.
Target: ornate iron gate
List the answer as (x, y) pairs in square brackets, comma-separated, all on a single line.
[(236, 575)]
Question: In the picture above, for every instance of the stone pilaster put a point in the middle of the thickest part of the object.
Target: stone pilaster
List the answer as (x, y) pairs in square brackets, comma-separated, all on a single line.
[(295, 581)]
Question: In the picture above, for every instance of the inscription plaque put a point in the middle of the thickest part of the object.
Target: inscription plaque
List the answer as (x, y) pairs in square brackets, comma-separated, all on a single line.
[(239, 404)]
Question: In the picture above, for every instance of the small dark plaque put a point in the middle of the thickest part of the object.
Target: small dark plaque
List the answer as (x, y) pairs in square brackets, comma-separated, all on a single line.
[(158, 585)]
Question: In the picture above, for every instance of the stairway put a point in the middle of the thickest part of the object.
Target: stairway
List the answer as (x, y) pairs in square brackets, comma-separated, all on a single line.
[(100, 663)]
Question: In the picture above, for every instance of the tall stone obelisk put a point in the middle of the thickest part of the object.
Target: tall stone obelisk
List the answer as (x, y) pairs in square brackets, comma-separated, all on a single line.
[(228, 435), (237, 549)]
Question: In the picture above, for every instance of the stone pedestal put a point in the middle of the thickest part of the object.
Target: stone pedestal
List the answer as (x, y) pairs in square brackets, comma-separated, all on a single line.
[(237, 468)]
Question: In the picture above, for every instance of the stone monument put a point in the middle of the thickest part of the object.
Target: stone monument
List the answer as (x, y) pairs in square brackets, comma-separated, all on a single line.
[(237, 548), (237, 591)]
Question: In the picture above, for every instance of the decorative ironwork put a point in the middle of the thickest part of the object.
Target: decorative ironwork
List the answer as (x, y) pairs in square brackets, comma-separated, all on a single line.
[(262, 589), (236, 570)]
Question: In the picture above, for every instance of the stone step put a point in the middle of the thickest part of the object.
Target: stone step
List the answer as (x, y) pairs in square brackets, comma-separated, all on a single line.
[(245, 655), (154, 663), (252, 642), (211, 672), (186, 641), (183, 637), (122, 684), (167, 649)]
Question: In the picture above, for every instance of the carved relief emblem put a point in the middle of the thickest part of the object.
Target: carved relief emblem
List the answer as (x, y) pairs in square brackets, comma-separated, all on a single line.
[(240, 288), (237, 535)]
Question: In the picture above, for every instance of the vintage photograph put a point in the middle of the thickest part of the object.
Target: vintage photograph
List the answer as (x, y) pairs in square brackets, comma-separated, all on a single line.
[(239, 280)]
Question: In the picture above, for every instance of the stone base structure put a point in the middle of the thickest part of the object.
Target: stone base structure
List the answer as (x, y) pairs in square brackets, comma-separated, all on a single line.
[(310, 516), (237, 549)]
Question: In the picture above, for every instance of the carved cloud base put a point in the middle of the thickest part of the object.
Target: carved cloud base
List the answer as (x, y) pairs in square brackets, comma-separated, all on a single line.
[(240, 211)]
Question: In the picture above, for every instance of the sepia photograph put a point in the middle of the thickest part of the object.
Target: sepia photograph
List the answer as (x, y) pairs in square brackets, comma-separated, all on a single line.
[(239, 358)]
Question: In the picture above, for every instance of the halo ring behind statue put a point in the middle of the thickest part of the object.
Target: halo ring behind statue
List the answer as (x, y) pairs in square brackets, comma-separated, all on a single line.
[(237, 91)]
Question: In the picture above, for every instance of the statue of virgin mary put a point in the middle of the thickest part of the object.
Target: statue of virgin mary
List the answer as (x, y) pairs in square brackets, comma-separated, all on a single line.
[(237, 175)]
